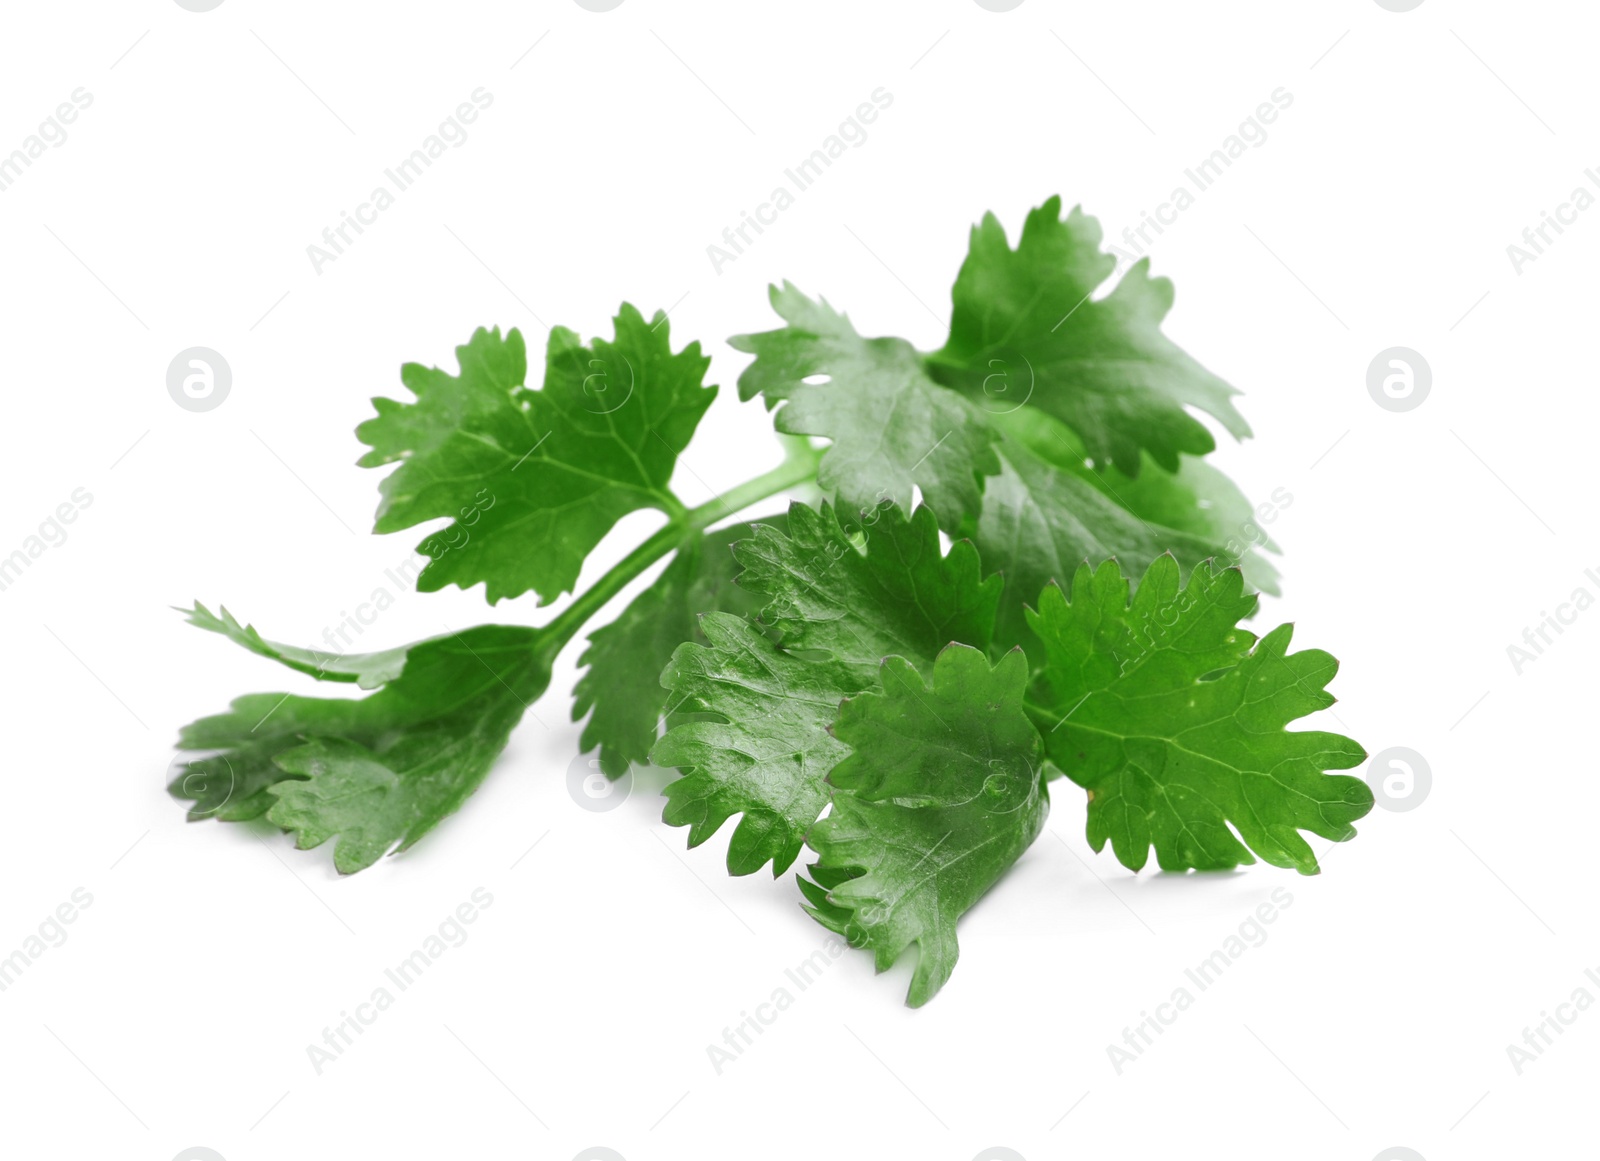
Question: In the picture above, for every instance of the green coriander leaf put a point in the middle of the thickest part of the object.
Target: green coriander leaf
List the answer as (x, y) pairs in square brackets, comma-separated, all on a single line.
[(1196, 499), (1162, 710), (766, 752), (1204, 503), (533, 479), (941, 794), (838, 611), (1040, 522), (621, 689), (369, 670), (347, 792), (1024, 329), (380, 770), (901, 596), (230, 786), (892, 427)]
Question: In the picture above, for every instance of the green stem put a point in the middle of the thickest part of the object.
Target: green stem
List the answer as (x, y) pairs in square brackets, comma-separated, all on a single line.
[(799, 467)]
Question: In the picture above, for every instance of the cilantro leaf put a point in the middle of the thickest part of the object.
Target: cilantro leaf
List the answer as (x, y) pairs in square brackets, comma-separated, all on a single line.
[(891, 426), (837, 611), (1024, 329), (534, 479), (380, 770), (1162, 710), (1040, 522), (765, 749), (1202, 502), (621, 689), (900, 596), (369, 670), (1196, 499), (940, 796), (836, 660), (1048, 511)]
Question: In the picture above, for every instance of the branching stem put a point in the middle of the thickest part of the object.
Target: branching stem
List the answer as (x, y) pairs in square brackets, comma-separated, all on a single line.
[(798, 468)]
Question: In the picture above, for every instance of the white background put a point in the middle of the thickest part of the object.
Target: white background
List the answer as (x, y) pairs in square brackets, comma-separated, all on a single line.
[(1417, 548)]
